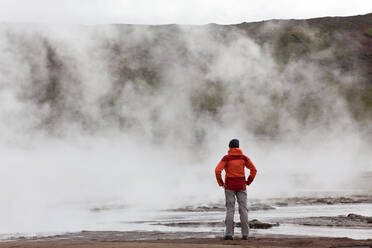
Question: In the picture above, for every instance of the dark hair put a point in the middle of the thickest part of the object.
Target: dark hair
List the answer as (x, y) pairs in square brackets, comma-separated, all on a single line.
[(234, 143)]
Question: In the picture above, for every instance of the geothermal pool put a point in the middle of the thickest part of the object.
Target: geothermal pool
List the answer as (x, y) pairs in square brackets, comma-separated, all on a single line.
[(65, 222)]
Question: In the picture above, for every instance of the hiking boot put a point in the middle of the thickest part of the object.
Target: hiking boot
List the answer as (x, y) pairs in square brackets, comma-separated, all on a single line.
[(245, 237), (228, 237)]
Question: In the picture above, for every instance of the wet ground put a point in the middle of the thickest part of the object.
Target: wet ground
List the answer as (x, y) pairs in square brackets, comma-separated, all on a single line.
[(200, 243), (301, 217)]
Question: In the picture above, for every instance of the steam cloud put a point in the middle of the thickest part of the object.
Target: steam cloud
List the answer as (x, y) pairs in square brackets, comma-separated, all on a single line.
[(141, 115)]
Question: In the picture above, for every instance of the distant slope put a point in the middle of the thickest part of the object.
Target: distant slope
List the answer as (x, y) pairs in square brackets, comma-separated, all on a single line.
[(351, 38), (355, 28), (275, 78)]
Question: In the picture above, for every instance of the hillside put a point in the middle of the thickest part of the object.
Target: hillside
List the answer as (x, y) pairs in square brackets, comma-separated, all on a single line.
[(350, 38), (277, 77)]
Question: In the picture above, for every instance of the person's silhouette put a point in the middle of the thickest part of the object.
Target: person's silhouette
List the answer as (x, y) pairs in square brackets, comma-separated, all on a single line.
[(235, 186)]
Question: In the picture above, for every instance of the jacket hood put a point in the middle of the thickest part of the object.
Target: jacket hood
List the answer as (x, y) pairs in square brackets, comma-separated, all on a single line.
[(235, 151)]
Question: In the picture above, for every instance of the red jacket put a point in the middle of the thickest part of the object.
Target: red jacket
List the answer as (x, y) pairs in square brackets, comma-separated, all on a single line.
[(234, 165)]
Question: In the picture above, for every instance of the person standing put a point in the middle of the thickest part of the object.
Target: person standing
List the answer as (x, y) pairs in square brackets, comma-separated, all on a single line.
[(234, 164)]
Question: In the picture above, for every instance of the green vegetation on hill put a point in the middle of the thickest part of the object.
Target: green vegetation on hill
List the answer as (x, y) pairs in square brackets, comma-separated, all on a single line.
[(360, 103), (292, 44), (339, 43), (209, 98), (368, 32)]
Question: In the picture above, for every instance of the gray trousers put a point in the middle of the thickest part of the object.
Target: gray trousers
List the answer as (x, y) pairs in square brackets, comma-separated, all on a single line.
[(241, 197)]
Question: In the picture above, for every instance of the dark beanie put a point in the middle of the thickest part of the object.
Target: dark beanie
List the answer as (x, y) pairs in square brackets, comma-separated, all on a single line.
[(234, 143)]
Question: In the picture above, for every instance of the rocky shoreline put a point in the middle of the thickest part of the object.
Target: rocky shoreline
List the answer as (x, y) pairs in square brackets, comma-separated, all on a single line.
[(254, 224), (273, 203), (350, 220), (294, 201)]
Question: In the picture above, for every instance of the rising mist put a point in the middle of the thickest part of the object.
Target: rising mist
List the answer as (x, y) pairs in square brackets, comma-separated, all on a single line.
[(141, 115)]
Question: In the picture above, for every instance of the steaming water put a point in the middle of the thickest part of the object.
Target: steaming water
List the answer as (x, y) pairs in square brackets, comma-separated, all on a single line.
[(134, 220)]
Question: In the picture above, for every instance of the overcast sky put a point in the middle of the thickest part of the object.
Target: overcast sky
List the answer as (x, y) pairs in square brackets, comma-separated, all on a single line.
[(174, 11)]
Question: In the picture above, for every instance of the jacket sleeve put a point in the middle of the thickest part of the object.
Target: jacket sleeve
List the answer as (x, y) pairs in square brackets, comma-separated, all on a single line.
[(221, 165), (252, 168)]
